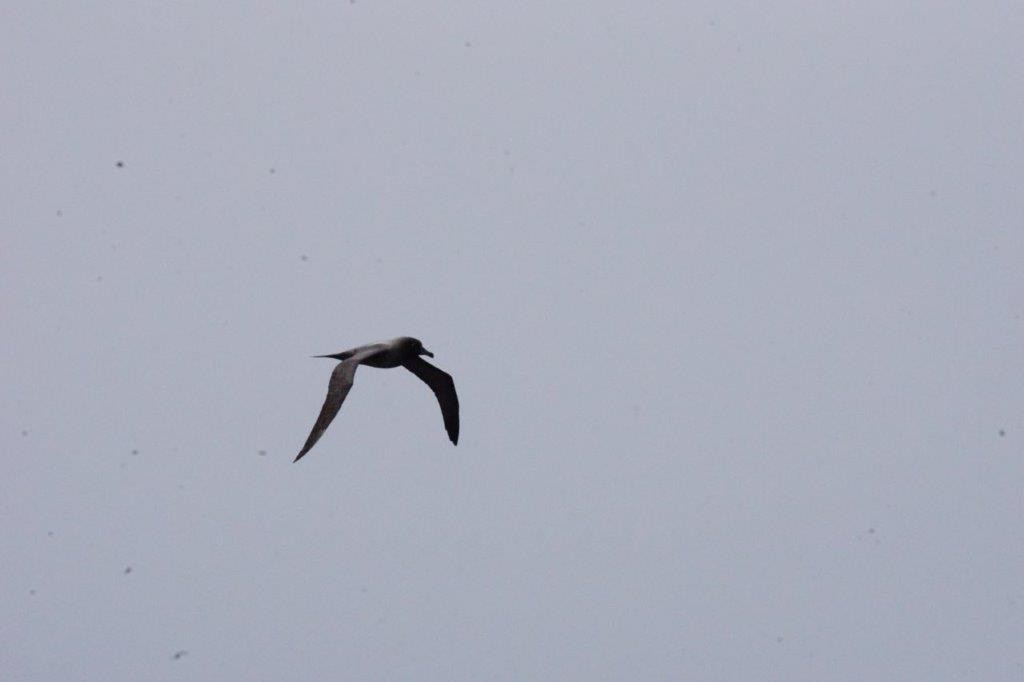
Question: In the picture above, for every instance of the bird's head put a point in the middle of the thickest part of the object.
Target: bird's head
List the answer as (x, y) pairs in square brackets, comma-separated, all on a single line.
[(414, 347)]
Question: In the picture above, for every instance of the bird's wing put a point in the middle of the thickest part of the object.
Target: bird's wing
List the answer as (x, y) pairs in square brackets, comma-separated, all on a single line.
[(337, 389), (444, 388)]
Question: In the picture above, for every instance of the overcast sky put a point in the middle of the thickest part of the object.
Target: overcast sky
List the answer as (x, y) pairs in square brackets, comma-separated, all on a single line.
[(733, 296)]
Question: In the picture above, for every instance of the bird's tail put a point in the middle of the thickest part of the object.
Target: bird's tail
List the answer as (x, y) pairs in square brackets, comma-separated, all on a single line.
[(345, 355)]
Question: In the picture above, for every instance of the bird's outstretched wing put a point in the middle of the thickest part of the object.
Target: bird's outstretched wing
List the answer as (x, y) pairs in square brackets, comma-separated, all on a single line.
[(337, 389), (444, 388)]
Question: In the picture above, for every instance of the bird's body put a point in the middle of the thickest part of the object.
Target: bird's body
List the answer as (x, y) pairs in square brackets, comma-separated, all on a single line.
[(402, 351)]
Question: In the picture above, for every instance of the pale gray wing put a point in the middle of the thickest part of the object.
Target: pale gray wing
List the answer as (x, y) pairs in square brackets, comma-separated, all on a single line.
[(337, 389), (441, 384)]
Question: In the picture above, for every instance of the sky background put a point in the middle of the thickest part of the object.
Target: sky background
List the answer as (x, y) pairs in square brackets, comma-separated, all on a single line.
[(732, 294)]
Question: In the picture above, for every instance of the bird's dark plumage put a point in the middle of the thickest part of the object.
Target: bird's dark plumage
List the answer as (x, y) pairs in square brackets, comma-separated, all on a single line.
[(443, 386), (405, 351)]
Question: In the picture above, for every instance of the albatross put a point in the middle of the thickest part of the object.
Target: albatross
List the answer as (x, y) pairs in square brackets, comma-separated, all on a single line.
[(403, 351)]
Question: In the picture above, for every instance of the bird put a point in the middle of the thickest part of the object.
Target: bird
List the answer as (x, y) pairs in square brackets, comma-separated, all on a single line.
[(402, 351)]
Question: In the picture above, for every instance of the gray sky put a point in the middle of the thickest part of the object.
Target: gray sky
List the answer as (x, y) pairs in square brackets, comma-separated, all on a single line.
[(732, 296)]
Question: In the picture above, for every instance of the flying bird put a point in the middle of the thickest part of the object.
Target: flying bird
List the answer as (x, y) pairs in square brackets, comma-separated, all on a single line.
[(404, 351)]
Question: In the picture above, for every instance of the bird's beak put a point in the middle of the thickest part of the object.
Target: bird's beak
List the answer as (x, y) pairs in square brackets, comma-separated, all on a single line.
[(335, 356), (427, 353)]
